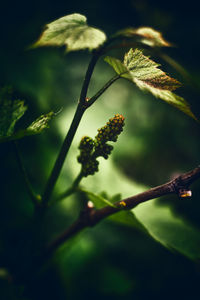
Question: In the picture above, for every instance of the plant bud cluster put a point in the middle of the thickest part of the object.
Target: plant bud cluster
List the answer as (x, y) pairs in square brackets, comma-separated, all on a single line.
[(91, 149), (111, 130), (89, 163)]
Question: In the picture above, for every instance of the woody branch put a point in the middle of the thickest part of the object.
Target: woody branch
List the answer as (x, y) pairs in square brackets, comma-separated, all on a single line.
[(90, 216)]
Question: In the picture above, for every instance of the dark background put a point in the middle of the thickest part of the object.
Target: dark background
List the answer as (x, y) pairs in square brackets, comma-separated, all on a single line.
[(108, 261)]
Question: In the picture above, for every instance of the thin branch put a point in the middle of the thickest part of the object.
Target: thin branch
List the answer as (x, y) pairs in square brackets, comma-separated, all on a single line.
[(88, 76), (95, 56), (102, 90), (62, 154), (28, 185), (94, 216)]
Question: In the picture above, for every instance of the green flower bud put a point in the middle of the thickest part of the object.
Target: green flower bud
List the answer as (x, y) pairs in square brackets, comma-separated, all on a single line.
[(102, 150), (91, 149), (90, 167), (111, 130), (86, 144)]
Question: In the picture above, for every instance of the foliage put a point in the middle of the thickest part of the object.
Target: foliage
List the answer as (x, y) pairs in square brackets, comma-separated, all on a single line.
[(144, 35), (73, 32), (145, 73), (11, 111), (152, 219)]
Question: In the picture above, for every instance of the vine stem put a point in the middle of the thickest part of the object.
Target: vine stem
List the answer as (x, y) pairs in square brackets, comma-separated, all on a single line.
[(62, 154), (88, 76), (81, 107), (103, 89)]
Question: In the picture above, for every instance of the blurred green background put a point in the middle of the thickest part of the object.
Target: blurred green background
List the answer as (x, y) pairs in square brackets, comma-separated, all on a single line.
[(109, 261)]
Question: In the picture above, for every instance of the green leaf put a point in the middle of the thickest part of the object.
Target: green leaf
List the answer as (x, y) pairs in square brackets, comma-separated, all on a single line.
[(36, 127), (10, 112), (172, 232), (117, 65), (98, 200), (128, 218), (145, 73), (40, 124), (73, 32), (144, 35)]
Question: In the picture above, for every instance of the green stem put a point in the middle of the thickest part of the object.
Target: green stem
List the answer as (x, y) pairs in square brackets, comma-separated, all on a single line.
[(71, 190), (88, 76), (62, 154), (102, 90), (70, 135), (29, 188)]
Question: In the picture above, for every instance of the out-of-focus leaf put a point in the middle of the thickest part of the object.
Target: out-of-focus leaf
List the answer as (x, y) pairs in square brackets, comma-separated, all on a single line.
[(10, 112), (36, 127), (73, 32), (144, 35), (129, 219), (171, 231), (40, 124), (145, 73)]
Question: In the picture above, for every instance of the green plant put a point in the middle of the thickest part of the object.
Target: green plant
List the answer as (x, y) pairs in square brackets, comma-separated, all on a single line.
[(74, 34)]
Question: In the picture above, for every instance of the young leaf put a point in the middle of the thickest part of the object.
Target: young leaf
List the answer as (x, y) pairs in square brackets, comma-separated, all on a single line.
[(73, 32), (36, 127), (145, 73), (10, 112), (40, 124), (169, 230), (144, 35)]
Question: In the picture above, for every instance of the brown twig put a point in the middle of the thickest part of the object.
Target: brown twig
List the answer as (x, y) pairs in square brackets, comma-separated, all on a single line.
[(93, 216)]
